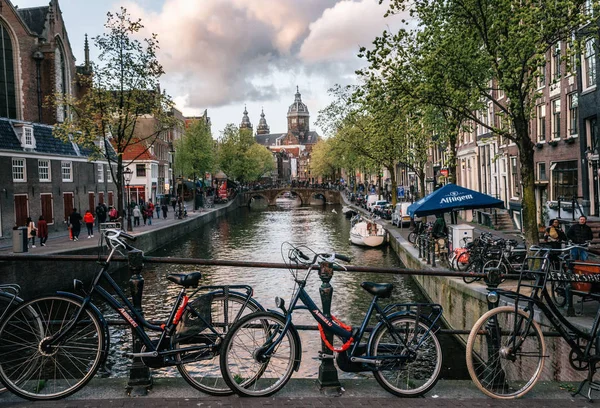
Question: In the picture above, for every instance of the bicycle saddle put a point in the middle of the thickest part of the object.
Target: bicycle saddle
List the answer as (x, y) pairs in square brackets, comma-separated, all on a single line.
[(383, 290), (185, 279)]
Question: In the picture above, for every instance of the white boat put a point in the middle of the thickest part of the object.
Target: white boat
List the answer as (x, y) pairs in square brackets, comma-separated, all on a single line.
[(288, 199), (366, 232)]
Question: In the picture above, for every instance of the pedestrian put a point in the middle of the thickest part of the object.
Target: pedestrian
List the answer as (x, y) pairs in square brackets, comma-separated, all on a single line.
[(136, 216), (113, 214), (42, 230), (88, 218), (75, 224), (580, 234), (144, 211), (150, 213), (150, 210), (100, 214), (31, 231), (165, 210), (157, 206), (173, 202), (554, 235)]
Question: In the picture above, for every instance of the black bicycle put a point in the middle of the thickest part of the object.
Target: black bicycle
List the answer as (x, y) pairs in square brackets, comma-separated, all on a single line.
[(262, 350), (9, 299), (50, 347)]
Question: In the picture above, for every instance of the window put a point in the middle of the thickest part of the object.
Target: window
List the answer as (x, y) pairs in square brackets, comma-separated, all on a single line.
[(516, 187), (564, 179), (541, 123), (556, 63), (293, 121), (140, 170), (109, 175), (100, 173), (301, 121), (556, 119), (573, 114), (8, 101), (541, 171), (589, 76), (44, 170), (18, 170), (542, 77), (28, 136), (66, 170)]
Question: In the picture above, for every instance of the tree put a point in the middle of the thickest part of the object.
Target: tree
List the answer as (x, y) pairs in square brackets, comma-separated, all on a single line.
[(195, 151), (488, 46), (240, 157), (122, 89), (323, 159)]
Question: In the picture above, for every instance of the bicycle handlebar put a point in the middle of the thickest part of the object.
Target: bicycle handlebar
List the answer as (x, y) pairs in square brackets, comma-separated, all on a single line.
[(113, 238)]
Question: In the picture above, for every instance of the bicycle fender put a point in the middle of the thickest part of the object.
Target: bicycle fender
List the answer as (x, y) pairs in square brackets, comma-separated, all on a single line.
[(296, 336), (100, 317), (251, 300), (434, 328)]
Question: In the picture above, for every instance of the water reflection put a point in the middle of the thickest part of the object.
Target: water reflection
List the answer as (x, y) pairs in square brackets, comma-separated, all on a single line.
[(257, 236)]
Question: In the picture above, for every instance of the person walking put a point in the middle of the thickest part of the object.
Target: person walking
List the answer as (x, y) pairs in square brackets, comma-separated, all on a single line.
[(88, 218), (554, 235), (136, 216), (149, 215), (101, 214), (580, 234), (113, 214), (75, 223), (165, 210), (144, 211), (42, 230), (31, 231)]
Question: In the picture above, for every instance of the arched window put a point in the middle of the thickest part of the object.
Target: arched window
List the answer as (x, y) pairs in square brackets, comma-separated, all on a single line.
[(8, 104), (61, 80)]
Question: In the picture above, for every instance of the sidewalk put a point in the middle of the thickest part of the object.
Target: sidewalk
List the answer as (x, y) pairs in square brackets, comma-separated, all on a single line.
[(59, 241)]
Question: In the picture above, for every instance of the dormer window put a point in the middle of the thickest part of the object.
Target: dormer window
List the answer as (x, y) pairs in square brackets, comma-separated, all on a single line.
[(28, 136), (25, 134)]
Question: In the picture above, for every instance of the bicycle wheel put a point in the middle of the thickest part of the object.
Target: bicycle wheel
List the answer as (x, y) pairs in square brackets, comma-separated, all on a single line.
[(412, 237), (461, 262), (496, 263), (474, 266), (34, 368), (558, 292), (7, 303), (245, 370), (496, 365), (201, 368), (419, 362)]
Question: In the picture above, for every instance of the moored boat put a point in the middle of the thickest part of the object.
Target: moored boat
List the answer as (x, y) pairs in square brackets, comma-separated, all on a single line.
[(366, 232)]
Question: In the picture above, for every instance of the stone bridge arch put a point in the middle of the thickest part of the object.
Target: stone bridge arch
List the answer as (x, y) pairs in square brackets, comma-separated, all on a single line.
[(305, 195)]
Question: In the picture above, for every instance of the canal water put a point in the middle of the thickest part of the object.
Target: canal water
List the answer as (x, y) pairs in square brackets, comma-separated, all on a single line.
[(251, 235)]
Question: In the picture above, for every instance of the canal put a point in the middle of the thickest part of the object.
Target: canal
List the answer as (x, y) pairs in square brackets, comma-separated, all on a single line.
[(251, 235)]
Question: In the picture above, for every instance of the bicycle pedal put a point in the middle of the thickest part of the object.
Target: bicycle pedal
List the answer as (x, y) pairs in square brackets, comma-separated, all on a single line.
[(323, 356)]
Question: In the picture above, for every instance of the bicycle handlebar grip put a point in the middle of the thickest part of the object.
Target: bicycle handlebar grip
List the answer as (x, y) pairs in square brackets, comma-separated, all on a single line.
[(342, 257), (301, 255), (128, 236)]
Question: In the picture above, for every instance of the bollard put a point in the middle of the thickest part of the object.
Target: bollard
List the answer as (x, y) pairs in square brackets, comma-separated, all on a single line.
[(420, 243), (428, 251), (569, 297), (434, 243), (328, 377), (139, 373)]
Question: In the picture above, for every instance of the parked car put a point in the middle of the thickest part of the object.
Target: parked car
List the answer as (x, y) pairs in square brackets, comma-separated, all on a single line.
[(400, 214), (378, 205)]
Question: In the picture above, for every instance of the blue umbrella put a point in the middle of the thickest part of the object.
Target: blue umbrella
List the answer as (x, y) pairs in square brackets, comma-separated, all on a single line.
[(452, 198)]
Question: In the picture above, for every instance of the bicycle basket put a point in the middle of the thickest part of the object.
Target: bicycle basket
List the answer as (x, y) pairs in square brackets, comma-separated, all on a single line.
[(196, 320)]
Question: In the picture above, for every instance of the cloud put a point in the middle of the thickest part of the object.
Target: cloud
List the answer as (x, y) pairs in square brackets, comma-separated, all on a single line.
[(222, 52)]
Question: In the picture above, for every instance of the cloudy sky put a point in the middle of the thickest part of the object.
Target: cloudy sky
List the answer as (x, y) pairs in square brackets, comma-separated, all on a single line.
[(223, 54)]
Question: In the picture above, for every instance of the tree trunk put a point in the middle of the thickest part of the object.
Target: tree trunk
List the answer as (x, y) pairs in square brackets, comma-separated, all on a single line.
[(119, 183), (392, 171), (528, 209)]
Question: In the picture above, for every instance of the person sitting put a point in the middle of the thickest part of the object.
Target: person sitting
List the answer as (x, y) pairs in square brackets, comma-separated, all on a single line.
[(580, 234), (554, 235), (439, 229)]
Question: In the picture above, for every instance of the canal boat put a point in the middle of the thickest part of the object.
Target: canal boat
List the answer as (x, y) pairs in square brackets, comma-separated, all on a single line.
[(349, 212), (366, 232)]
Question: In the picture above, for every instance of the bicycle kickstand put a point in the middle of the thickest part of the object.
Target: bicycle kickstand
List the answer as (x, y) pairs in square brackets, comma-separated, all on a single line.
[(592, 385)]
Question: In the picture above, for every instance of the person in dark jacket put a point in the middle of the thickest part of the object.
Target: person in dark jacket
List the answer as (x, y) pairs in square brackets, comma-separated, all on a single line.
[(554, 235), (75, 222), (580, 234), (439, 229), (42, 230)]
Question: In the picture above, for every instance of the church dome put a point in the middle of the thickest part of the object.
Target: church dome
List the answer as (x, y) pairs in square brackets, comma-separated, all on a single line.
[(245, 121), (298, 108), (262, 128)]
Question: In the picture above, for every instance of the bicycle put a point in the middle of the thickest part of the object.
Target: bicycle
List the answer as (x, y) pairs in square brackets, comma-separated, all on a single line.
[(506, 347), (59, 358), (262, 349), (9, 298)]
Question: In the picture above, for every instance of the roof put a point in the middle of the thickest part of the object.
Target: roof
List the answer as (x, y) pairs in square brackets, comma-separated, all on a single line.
[(35, 18), (268, 139), (45, 141), (138, 151)]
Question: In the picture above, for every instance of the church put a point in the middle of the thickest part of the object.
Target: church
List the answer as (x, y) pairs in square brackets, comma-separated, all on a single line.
[(291, 149)]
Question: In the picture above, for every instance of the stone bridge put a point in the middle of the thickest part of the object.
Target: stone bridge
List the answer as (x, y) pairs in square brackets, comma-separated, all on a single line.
[(306, 195)]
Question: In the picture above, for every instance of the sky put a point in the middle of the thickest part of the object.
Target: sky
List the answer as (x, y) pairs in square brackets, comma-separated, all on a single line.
[(222, 55)]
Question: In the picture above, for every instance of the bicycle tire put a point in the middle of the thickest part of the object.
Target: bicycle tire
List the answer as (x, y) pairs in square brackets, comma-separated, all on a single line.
[(204, 374), (474, 266), (462, 261), (496, 263), (558, 292), (411, 376), (412, 237), (34, 370), (7, 303), (490, 352), (240, 365)]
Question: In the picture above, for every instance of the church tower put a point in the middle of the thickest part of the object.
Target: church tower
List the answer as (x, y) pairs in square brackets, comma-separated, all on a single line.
[(245, 121), (262, 128), (298, 118)]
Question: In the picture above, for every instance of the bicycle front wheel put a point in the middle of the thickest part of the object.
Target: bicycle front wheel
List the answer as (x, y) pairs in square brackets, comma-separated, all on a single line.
[(7, 303), (200, 368), (412, 237), (245, 367), (462, 261), (32, 365), (558, 292), (411, 357), (505, 353), (474, 266)]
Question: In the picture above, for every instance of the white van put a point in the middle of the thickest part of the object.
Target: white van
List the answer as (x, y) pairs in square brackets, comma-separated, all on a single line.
[(371, 200), (400, 214)]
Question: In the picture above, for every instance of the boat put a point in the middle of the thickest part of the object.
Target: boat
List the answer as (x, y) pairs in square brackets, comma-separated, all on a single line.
[(349, 212), (366, 232), (288, 199)]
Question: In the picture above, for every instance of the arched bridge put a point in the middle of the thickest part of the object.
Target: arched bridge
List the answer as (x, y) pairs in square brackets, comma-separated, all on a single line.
[(306, 195)]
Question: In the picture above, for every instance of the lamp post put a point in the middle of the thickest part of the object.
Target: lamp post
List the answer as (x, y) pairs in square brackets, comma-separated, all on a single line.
[(180, 200), (593, 157), (127, 173)]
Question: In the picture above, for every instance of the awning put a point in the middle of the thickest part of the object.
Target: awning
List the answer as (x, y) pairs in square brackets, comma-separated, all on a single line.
[(452, 198)]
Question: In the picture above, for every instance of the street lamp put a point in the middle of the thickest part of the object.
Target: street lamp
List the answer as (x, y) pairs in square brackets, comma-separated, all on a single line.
[(180, 199), (127, 173), (593, 157)]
